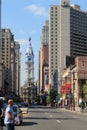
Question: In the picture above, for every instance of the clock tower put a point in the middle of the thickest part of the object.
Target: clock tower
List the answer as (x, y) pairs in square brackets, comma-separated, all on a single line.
[(29, 64)]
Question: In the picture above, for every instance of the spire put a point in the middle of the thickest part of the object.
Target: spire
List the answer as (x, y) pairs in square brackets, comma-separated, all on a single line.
[(29, 39), (29, 52)]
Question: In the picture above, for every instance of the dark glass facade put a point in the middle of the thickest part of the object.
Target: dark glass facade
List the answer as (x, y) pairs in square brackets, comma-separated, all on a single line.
[(78, 32)]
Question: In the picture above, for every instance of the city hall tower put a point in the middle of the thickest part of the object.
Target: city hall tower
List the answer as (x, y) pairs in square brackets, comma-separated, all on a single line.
[(29, 64)]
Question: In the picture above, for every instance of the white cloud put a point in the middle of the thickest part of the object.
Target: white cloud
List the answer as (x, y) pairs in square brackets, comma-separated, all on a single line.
[(36, 54), (22, 41), (33, 31), (22, 32), (37, 9)]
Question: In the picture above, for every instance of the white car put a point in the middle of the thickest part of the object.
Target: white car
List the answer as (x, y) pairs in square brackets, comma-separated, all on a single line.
[(24, 108), (18, 115)]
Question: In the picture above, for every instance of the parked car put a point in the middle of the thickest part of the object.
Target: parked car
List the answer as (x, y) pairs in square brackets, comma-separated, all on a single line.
[(24, 107), (18, 115)]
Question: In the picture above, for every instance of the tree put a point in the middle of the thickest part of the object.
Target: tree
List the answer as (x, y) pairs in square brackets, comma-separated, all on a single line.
[(53, 94), (85, 91)]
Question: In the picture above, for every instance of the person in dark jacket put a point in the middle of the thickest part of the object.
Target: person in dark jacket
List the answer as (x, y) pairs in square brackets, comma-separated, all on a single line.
[(1, 115)]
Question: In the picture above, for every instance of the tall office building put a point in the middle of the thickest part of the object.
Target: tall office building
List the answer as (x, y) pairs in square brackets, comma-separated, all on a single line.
[(6, 39), (13, 73), (45, 33), (0, 54), (17, 67), (0, 28), (67, 36), (43, 55), (0, 14)]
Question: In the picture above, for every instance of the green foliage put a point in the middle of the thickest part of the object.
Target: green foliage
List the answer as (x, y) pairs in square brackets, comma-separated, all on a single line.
[(59, 94), (48, 99), (85, 91), (53, 94)]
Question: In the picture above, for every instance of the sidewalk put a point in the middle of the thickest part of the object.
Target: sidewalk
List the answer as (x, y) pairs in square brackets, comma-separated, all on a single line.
[(78, 111)]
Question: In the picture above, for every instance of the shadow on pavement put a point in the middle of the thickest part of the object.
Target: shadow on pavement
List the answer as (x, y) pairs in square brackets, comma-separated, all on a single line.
[(43, 111), (39, 106), (44, 118), (29, 123)]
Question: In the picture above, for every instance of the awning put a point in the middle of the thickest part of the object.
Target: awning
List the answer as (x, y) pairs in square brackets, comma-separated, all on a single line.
[(68, 85)]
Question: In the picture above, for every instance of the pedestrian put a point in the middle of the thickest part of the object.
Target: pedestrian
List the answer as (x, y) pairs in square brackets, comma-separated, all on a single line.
[(9, 116), (1, 115), (82, 106), (56, 101)]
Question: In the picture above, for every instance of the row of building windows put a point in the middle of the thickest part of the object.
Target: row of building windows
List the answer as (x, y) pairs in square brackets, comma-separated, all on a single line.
[(76, 39), (54, 8), (77, 28), (54, 21), (78, 17), (54, 11), (53, 25), (78, 25), (78, 51), (78, 13), (78, 42), (53, 46), (52, 15)]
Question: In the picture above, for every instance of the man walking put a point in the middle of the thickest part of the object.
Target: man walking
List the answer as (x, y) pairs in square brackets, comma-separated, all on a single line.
[(9, 116), (56, 101)]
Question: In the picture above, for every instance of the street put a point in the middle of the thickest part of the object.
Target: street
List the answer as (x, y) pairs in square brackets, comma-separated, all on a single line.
[(44, 118)]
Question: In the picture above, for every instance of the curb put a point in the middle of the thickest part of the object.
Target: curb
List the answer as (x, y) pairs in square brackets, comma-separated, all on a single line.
[(77, 112)]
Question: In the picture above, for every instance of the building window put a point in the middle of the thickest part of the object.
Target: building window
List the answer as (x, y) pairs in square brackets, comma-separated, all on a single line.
[(51, 8)]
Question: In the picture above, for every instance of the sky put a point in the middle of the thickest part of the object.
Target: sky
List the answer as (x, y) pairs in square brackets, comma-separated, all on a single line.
[(25, 18)]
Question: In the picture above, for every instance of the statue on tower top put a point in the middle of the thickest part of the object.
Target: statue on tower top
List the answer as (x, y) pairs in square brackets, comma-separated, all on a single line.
[(29, 39)]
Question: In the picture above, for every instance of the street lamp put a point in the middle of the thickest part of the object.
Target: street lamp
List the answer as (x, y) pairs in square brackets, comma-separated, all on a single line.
[(75, 87)]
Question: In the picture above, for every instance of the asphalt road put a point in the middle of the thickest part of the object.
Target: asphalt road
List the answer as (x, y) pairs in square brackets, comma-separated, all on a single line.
[(44, 118)]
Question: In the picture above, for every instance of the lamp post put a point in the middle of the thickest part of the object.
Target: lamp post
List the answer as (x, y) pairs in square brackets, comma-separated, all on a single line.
[(75, 88)]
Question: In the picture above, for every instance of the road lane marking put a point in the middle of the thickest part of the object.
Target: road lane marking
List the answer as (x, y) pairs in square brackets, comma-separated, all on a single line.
[(51, 116), (58, 121), (46, 113), (74, 116)]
